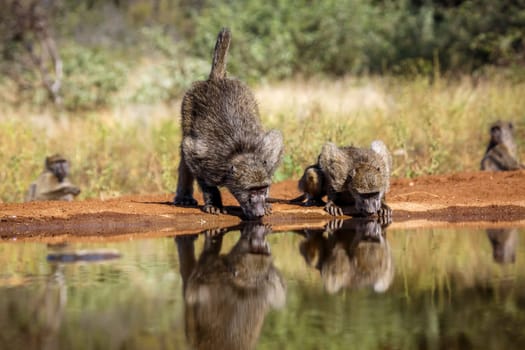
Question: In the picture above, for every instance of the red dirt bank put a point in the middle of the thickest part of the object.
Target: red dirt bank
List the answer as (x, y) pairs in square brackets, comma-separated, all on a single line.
[(480, 198)]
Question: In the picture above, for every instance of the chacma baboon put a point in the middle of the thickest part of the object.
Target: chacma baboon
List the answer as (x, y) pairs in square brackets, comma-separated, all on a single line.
[(227, 296), (313, 186), (504, 242), (351, 254), (352, 176), (501, 153), (224, 143), (53, 183)]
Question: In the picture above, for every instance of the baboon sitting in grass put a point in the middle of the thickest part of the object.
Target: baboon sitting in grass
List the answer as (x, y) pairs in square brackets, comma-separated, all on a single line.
[(351, 176), (501, 153), (53, 183), (224, 143)]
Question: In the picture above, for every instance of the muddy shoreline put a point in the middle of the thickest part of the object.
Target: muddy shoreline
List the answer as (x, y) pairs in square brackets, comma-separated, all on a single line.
[(466, 199)]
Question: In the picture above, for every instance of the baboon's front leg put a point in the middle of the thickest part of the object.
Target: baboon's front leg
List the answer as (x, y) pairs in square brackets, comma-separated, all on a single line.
[(212, 198), (184, 195), (385, 212)]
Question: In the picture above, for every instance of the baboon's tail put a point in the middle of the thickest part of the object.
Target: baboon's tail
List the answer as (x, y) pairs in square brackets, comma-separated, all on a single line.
[(218, 66)]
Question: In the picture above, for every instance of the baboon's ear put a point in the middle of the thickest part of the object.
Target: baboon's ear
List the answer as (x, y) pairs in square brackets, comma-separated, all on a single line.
[(335, 164), (379, 147), (271, 149)]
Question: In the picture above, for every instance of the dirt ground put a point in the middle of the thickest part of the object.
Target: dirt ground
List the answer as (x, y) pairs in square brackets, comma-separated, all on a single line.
[(467, 198)]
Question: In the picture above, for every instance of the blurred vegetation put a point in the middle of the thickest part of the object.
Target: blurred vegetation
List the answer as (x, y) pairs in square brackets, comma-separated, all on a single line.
[(101, 81)]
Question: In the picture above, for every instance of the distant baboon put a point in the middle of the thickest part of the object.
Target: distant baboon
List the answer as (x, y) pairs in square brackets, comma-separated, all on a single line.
[(501, 153), (224, 143), (351, 254), (352, 176), (227, 296), (504, 242), (53, 183)]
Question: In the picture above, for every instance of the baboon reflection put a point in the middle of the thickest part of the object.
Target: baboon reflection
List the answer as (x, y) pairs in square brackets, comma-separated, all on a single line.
[(228, 295), (504, 242), (350, 254)]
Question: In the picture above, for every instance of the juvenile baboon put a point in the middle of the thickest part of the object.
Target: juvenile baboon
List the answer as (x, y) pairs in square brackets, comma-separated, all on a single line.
[(227, 296), (501, 153), (224, 143), (351, 254), (313, 186), (53, 183), (351, 176)]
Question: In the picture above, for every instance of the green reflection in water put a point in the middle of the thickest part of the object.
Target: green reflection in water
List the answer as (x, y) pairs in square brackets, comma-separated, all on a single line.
[(449, 290)]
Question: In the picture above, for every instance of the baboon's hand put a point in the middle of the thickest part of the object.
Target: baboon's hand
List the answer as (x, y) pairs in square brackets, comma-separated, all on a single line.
[(385, 214), (333, 209), (211, 209), (267, 209), (186, 201)]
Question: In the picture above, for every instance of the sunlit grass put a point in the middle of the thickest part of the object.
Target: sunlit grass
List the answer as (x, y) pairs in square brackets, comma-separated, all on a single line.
[(431, 127)]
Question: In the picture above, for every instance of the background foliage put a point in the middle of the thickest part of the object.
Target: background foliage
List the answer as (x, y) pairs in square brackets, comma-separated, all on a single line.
[(427, 77)]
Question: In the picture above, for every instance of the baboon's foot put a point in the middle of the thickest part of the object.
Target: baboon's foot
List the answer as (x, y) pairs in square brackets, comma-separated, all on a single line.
[(211, 209), (333, 209), (185, 201)]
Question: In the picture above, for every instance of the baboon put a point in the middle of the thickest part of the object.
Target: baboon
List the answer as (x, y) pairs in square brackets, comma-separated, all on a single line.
[(504, 242), (53, 183), (501, 153), (313, 186), (351, 254), (224, 143), (352, 176), (227, 296)]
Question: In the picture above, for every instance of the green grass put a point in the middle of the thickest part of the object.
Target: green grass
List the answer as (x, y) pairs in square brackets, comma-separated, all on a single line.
[(430, 127)]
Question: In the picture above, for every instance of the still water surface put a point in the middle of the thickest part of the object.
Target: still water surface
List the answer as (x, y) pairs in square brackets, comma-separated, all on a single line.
[(353, 285)]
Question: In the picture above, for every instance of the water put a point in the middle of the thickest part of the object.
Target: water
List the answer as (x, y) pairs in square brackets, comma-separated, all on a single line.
[(352, 286)]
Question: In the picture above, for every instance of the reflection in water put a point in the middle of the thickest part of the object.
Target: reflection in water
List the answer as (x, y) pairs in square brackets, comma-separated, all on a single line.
[(35, 322), (227, 296), (504, 241), (350, 254)]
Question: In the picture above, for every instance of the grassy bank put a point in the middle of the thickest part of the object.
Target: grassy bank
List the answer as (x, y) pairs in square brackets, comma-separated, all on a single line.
[(431, 127)]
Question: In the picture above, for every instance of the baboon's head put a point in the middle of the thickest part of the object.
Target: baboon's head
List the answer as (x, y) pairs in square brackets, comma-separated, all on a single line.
[(368, 187), (58, 165), (502, 132), (249, 182)]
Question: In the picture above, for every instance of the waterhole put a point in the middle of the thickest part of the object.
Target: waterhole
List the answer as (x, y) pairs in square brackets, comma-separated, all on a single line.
[(353, 284)]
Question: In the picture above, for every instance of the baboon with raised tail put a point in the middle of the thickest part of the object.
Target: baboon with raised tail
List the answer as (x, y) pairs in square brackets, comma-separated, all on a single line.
[(501, 153), (53, 183), (224, 143)]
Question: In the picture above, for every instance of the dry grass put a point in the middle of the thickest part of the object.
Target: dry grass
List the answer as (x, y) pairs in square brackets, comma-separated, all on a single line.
[(430, 127)]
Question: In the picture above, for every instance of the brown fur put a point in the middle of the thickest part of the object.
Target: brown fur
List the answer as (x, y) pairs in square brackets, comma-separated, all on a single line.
[(351, 176), (227, 296), (53, 183), (501, 153), (224, 143)]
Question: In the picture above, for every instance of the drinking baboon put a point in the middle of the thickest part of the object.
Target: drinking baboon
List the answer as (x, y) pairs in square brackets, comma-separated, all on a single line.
[(353, 176), (53, 183), (227, 296), (224, 143), (501, 153)]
